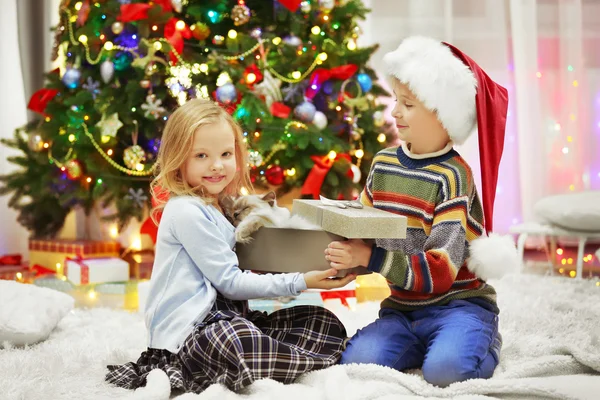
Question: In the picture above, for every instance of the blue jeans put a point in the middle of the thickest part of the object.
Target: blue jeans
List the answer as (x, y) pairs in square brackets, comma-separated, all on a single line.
[(451, 343)]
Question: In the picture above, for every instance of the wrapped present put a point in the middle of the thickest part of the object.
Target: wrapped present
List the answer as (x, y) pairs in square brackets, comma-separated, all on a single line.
[(117, 294), (55, 282), (373, 287), (303, 250), (271, 305), (84, 271), (140, 264), (51, 253), (19, 273), (351, 222)]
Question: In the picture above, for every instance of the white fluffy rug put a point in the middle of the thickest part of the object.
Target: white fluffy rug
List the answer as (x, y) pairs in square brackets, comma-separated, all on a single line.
[(550, 326)]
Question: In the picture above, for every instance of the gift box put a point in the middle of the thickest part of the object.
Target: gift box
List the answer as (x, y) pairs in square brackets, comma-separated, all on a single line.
[(19, 273), (117, 295), (352, 223), (140, 264), (372, 287), (54, 282), (272, 305), (277, 250), (51, 253), (84, 271)]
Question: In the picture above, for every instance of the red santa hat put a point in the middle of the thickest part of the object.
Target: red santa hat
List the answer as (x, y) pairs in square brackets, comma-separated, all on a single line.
[(464, 98)]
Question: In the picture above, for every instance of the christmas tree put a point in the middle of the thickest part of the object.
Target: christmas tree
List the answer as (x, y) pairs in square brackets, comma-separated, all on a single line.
[(290, 73)]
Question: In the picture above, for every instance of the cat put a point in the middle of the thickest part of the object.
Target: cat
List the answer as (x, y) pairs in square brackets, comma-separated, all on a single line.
[(250, 213)]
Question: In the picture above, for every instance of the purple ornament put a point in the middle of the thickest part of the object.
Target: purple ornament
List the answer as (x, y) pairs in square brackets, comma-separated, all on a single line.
[(305, 111), (327, 87), (227, 93)]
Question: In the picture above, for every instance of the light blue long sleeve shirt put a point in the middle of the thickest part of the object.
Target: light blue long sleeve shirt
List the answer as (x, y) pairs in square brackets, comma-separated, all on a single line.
[(194, 259)]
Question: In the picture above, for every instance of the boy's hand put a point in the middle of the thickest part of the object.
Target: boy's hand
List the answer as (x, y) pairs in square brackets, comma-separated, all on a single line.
[(348, 254), (321, 279)]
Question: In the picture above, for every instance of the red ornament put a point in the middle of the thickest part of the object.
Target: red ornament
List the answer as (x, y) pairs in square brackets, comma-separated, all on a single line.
[(274, 175)]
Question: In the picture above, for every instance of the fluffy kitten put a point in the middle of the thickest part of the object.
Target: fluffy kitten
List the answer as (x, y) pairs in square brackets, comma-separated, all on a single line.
[(250, 213)]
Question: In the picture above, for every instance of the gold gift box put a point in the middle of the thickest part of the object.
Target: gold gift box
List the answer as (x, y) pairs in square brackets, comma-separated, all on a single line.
[(51, 253)]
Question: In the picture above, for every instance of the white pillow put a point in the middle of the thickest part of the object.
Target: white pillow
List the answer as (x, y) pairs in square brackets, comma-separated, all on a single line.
[(29, 313), (573, 211)]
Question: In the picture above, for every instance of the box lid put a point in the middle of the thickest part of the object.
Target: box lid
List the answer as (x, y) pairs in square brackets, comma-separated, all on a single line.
[(352, 223)]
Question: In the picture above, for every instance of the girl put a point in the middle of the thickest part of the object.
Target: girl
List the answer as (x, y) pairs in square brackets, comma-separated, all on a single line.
[(200, 329)]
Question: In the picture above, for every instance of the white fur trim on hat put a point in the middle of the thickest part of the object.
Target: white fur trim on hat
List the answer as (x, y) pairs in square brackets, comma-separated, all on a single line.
[(440, 80), (493, 257)]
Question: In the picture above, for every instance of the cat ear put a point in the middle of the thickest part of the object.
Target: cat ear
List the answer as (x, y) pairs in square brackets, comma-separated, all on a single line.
[(269, 198)]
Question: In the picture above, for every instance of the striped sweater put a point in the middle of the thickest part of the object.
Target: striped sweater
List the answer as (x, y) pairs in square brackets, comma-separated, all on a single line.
[(437, 194)]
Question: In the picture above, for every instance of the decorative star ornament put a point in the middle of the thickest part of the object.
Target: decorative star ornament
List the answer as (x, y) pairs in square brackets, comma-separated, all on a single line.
[(294, 90), (153, 108), (92, 86), (269, 88), (109, 125)]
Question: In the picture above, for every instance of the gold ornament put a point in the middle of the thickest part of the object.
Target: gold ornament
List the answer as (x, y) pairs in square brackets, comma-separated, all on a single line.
[(240, 14), (134, 155), (74, 169), (145, 83), (378, 119), (200, 31), (117, 27), (35, 142)]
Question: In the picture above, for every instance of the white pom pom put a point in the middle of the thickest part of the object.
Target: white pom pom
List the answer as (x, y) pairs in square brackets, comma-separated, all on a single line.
[(493, 257), (157, 387)]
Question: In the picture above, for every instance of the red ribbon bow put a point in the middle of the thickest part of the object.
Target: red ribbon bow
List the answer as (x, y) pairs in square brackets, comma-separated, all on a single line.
[(175, 37), (339, 294), (149, 227), (316, 176), (321, 75), (40, 99)]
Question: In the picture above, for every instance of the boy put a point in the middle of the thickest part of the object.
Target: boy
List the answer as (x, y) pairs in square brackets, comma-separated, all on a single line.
[(440, 316)]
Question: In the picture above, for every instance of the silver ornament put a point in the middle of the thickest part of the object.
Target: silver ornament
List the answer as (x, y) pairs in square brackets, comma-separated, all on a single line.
[(107, 70), (320, 120), (305, 7), (227, 93), (305, 111)]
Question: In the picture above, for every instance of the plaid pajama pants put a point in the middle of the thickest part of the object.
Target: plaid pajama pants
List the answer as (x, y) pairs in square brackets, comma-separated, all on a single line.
[(234, 347)]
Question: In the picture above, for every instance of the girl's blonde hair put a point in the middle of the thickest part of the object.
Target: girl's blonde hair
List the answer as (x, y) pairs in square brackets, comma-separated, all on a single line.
[(176, 143)]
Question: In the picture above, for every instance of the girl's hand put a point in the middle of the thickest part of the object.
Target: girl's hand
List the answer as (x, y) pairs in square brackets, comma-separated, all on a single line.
[(321, 279), (348, 254)]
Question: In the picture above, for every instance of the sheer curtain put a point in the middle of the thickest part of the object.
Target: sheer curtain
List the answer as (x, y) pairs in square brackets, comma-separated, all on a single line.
[(547, 54), (13, 237)]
